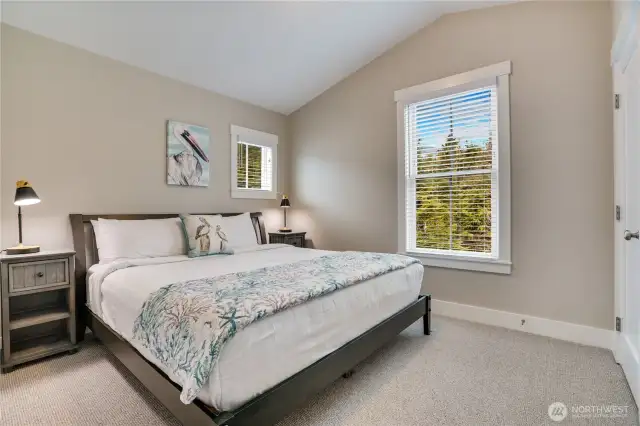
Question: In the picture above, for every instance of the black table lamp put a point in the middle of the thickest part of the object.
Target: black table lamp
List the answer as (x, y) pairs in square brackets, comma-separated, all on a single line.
[(285, 204), (25, 196)]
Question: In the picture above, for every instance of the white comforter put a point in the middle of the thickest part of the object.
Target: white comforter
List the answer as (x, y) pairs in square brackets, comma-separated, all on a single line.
[(270, 350)]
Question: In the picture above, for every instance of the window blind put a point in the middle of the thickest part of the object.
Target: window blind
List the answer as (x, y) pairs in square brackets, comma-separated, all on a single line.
[(451, 172), (254, 166)]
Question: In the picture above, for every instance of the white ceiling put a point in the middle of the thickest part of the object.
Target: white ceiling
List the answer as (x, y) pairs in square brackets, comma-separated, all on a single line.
[(278, 55)]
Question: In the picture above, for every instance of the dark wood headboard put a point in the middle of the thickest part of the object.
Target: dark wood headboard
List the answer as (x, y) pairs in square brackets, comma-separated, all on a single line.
[(87, 254)]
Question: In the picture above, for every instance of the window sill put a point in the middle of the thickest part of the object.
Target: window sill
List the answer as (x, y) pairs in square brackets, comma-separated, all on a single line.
[(254, 194), (502, 267)]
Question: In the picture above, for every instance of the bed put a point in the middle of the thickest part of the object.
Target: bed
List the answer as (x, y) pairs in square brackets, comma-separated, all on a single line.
[(249, 384)]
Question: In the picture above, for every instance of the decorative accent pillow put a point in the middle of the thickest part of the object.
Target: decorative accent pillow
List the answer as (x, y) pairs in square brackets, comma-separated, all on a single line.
[(205, 235)]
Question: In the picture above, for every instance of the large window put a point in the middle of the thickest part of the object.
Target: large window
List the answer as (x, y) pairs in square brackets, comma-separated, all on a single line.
[(454, 144), (253, 163)]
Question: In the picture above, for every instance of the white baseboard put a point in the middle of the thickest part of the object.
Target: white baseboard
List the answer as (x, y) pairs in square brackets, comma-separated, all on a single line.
[(576, 333)]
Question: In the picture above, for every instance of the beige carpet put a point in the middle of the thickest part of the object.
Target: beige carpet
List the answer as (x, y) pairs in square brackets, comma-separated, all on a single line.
[(464, 374)]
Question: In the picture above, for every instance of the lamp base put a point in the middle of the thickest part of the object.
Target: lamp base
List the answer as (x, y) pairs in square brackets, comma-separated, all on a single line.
[(20, 249), (285, 229)]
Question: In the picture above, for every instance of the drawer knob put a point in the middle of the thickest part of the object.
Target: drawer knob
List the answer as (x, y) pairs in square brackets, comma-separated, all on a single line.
[(40, 274)]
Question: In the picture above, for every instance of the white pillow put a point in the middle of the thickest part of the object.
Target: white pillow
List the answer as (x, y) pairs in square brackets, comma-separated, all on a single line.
[(134, 239), (240, 230)]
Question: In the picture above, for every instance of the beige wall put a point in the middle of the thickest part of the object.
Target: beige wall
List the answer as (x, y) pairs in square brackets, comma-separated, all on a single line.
[(89, 133), (344, 155)]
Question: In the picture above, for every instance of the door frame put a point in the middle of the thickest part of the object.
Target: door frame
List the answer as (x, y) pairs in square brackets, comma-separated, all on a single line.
[(624, 47)]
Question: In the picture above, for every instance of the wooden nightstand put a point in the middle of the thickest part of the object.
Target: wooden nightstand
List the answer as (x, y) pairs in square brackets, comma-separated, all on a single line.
[(296, 239), (38, 306)]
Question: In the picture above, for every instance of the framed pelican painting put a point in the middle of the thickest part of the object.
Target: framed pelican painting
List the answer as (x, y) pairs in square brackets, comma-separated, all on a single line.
[(187, 154)]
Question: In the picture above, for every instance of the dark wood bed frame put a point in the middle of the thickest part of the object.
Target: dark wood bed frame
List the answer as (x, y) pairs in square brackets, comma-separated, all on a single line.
[(267, 408)]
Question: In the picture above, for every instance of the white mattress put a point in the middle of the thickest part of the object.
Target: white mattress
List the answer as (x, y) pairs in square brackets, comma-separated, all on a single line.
[(274, 348)]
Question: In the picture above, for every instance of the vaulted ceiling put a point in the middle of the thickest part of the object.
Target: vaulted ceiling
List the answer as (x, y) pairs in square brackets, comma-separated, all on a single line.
[(277, 55)]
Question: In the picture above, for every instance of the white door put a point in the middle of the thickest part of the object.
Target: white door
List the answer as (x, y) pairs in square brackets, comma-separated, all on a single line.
[(628, 280)]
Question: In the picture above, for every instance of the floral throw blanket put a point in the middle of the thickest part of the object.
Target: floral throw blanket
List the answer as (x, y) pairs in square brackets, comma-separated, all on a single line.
[(185, 325)]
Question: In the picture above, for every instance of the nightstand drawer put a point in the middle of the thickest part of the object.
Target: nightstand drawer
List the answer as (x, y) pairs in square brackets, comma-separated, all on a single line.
[(34, 275), (296, 241)]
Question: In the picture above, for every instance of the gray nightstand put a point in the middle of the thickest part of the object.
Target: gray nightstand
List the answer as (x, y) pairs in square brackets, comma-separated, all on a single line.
[(293, 238), (38, 306)]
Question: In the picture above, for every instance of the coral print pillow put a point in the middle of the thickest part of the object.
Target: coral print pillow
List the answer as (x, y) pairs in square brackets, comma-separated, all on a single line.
[(205, 235)]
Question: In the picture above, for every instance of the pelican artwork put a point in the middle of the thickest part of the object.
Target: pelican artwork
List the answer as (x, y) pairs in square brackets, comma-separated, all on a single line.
[(187, 161), (202, 235), (223, 239)]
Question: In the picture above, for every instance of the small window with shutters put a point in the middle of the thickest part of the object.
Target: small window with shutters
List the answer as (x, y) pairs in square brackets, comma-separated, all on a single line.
[(253, 163), (455, 191)]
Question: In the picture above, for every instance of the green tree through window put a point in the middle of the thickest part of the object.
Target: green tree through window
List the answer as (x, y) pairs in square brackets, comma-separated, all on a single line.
[(455, 174), (250, 165)]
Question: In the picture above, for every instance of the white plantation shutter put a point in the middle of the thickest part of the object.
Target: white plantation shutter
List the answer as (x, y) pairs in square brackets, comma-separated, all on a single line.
[(451, 171), (253, 163)]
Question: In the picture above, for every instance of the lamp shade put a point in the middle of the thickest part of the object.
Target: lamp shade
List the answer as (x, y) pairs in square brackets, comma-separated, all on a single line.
[(25, 195), (285, 202)]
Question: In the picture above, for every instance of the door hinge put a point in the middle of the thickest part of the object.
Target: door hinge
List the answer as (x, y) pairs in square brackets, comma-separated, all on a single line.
[(618, 324), (618, 213), (617, 101)]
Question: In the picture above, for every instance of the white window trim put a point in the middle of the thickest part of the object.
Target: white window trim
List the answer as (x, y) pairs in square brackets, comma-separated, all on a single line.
[(498, 74), (253, 137)]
